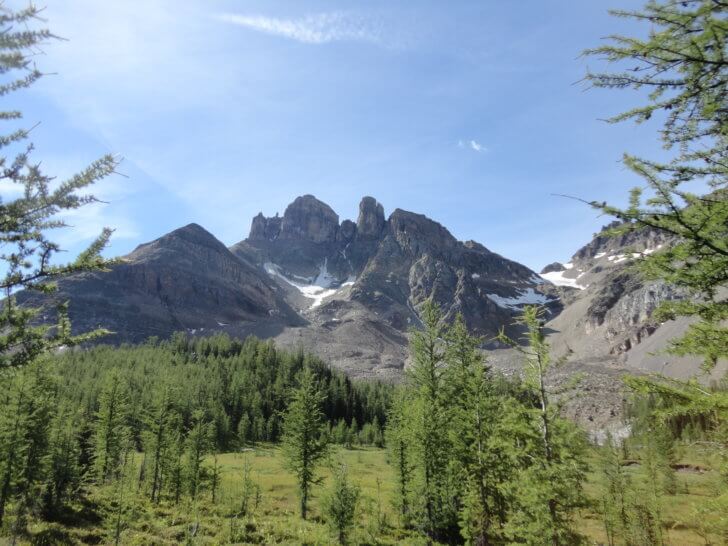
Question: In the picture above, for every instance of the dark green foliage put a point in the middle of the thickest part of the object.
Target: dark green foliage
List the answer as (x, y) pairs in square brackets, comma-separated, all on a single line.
[(80, 418), (427, 424), (63, 458), (199, 443), (112, 433), (25, 222), (161, 421), (233, 381), (477, 456), (25, 414), (341, 503), (481, 453), (305, 443)]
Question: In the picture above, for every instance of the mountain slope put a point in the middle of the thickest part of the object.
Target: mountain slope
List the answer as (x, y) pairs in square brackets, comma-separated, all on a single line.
[(184, 281), (607, 318)]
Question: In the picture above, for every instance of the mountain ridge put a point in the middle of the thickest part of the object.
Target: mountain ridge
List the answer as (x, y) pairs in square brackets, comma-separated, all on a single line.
[(350, 292)]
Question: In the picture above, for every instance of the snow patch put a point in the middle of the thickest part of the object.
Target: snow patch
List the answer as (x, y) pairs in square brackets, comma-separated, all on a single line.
[(557, 278), (475, 276), (600, 255), (618, 258), (526, 297), (317, 288)]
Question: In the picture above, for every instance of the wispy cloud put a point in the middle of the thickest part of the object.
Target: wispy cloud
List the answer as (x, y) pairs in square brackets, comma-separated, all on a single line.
[(321, 28), (472, 145)]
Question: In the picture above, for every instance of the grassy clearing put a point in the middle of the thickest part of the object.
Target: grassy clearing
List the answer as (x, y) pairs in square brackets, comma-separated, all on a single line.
[(275, 519)]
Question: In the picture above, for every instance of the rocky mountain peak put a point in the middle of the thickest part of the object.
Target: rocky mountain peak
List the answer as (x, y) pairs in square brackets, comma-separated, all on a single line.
[(191, 235), (417, 234), (371, 218), (309, 219), (265, 229)]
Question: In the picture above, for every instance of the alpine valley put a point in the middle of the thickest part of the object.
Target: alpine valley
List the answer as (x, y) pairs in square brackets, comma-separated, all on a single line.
[(350, 292)]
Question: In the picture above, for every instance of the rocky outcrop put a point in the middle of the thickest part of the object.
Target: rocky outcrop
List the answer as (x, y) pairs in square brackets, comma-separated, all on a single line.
[(380, 271), (553, 267), (308, 219), (371, 218), (611, 314), (265, 229)]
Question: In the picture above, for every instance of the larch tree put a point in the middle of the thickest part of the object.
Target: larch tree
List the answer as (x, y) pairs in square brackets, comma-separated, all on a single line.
[(24, 419), (160, 421), (34, 207), (112, 429), (199, 443), (550, 489), (398, 446), (428, 424), (683, 64), (476, 437), (64, 452), (305, 443), (341, 503)]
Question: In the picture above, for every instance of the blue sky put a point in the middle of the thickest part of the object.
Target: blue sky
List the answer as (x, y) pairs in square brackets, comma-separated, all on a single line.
[(466, 111)]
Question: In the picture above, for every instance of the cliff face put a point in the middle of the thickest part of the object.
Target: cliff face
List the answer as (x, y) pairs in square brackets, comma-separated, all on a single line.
[(608, 304)]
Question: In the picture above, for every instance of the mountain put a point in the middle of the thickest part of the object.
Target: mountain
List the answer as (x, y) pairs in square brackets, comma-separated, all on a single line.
[(350, 291), (186, 280), (359, 285)]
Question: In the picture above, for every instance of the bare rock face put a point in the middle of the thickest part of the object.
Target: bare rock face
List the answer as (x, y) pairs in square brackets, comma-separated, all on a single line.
[(266, 229), (308, 219), (371, 218), (552, 267), (347, 231), (610, 315), (184, 281)]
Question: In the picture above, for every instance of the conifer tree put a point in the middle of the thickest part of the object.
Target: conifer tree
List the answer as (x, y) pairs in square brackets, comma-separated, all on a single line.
[(428, 426), (244, 429), (160, 421), (618, 498), (250, 491), (341, 503), (479, 452), (304, 444), (683, 63), (550, 490), (112, 430), (24, 418), (25, 222), (199, 442), (173, 470), (399, 454), (64, 452)]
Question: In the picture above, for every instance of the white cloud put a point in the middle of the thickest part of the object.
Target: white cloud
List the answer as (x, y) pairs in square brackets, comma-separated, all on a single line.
[(321, 28), (476, 146), (473, 145)]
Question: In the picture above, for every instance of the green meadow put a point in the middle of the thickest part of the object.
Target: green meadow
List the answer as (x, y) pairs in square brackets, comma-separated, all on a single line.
[(274, 518)]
